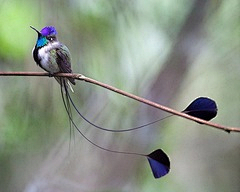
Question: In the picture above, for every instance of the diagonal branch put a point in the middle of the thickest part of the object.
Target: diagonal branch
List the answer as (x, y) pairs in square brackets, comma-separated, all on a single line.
[(129, 95)]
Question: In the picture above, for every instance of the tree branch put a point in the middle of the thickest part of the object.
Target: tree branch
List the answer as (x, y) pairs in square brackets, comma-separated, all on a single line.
[(129, 95)]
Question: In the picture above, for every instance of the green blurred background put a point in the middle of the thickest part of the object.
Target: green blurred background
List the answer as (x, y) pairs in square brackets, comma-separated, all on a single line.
[(167, 51)]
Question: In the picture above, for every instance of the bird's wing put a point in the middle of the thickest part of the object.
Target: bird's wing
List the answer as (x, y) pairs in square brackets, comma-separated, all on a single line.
[(64, 61)]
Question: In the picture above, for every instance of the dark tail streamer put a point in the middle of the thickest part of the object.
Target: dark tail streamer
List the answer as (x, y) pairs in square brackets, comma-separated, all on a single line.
[(159, 162), (158, 159), (67, 107), (204, 113), (111, 130)]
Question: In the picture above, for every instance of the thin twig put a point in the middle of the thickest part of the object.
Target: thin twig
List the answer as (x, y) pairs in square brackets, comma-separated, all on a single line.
[(129, 95)]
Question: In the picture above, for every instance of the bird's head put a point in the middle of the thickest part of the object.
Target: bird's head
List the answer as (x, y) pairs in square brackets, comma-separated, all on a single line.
[(46, 35)]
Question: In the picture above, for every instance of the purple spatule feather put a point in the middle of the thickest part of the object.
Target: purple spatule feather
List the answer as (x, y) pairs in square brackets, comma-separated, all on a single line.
[(203, 108), (159, 163)]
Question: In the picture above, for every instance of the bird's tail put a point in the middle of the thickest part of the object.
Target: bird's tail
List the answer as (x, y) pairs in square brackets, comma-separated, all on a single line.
[(66, 81)]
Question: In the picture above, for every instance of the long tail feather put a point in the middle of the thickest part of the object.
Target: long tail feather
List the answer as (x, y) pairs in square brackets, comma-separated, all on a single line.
[(111, 130), (158, 160), (61, 81)]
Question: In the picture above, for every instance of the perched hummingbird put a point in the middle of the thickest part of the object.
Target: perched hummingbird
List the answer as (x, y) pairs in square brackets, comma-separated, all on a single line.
[(51, 55), (54, 57)]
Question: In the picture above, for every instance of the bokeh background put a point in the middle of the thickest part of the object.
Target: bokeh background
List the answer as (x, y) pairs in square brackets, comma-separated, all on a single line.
[(167, 51)]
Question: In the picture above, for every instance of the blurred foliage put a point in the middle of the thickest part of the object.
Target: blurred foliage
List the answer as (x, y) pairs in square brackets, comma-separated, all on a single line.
[(125, 44)]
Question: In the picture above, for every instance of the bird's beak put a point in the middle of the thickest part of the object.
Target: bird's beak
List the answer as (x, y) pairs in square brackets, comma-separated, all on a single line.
[(39, 34)]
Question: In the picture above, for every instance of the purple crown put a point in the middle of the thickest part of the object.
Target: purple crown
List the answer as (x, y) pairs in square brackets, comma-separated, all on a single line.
[(48, 30)]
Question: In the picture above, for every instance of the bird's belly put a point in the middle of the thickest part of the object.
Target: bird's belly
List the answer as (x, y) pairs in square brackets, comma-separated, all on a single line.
[(48, 63)]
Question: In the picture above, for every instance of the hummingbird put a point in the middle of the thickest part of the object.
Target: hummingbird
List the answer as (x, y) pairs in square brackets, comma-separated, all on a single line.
[(54, 57), (51, 55)]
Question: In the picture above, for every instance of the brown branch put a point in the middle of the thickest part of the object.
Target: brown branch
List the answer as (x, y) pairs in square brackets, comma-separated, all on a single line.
[(129, 95)]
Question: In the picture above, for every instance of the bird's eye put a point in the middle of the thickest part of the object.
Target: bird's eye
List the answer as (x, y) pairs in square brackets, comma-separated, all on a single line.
[(50, 38)]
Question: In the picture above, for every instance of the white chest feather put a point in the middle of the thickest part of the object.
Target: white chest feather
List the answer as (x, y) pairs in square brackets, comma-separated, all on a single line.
[(47, 56)]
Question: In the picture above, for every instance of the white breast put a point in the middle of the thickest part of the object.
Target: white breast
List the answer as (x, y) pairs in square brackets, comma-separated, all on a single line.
[(45, 60)]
